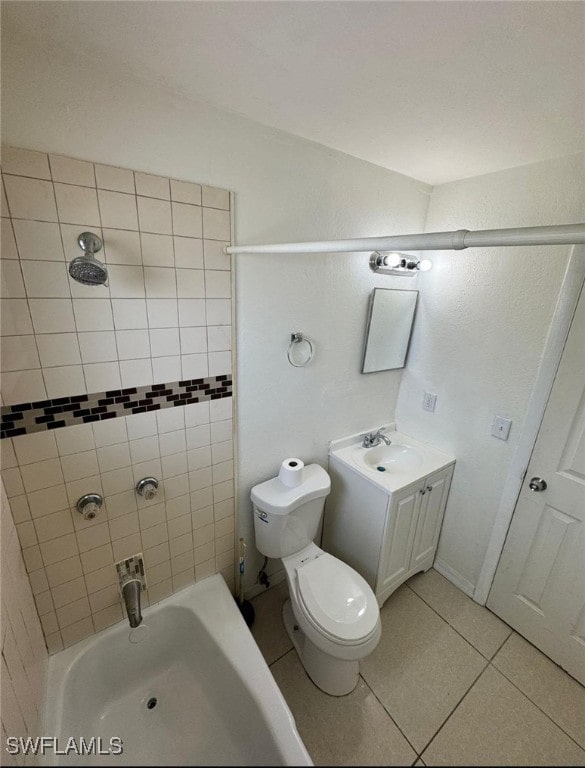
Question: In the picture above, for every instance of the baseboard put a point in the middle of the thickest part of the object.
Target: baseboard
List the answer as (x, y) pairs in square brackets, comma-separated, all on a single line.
[(258, 589), (454, 577)]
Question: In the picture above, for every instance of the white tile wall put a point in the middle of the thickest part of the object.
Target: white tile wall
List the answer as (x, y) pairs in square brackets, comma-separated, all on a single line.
[(116, 179), (152, 186), (24, 655), (184, 532), (163, 275), (216, 198), (165, 315), (24, 162), (39, 239), (30, 198)]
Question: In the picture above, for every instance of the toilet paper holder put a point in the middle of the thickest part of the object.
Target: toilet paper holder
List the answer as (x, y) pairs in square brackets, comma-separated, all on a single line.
[(297, 338)]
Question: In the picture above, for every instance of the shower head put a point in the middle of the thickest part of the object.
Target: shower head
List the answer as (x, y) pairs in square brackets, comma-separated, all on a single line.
[(87, 269)]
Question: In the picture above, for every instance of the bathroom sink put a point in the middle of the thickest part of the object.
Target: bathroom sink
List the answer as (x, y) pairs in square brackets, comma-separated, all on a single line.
[(393, 458), (390, 467)]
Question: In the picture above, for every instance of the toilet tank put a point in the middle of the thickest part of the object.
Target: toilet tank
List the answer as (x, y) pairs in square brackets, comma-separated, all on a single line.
[(287, 519)]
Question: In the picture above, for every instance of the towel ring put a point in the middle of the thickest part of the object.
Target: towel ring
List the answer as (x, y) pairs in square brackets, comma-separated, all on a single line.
[(296, 338)]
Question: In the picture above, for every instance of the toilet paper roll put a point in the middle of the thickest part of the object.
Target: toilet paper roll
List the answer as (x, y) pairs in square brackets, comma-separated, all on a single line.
[(291, 472)]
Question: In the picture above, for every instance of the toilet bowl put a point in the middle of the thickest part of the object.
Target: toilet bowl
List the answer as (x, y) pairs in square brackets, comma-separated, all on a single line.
[(336, 618), (332, 616)]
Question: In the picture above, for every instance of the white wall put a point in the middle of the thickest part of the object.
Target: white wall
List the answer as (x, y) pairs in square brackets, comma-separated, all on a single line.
[(482, 321), (286, 189)]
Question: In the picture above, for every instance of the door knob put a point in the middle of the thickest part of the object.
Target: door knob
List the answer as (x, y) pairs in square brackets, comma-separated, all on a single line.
[(537, 484)]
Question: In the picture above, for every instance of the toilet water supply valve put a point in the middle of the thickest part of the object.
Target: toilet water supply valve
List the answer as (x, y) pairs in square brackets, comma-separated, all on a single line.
[(262, 575)]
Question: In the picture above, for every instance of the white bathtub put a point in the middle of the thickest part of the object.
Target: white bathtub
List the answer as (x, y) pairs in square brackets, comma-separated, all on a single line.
[(216, 700)]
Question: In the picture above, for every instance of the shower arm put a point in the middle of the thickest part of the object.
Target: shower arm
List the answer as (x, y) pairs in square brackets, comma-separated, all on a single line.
[(456, 240)]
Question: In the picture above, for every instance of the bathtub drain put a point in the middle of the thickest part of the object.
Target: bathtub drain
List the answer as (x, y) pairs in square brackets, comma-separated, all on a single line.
[(151, 703)]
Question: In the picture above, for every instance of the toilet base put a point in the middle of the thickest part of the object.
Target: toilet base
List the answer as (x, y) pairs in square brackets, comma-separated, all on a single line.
[(333, 676)]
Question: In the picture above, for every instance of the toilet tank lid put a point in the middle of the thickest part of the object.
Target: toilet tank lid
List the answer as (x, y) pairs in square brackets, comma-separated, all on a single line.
[(275, 497)]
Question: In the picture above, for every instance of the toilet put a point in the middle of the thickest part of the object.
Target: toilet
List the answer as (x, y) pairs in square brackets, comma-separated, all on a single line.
[(332, 616)]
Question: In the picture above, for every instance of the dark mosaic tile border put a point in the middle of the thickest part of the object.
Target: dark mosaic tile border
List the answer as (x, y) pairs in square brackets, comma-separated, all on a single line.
[(41, 415)]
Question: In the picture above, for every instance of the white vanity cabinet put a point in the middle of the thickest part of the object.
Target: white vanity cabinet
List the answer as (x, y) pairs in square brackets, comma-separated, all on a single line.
[(387, 535), (413, 524)]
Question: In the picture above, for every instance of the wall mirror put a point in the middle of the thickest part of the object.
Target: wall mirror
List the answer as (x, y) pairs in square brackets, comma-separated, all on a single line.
[(388, 330)]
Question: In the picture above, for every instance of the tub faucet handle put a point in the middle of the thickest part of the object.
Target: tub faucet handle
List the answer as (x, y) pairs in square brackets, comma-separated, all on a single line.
[(147, 487), (89, 505)]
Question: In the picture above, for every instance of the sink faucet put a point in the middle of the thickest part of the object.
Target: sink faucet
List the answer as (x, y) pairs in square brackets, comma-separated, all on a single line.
[(375, 438), (131, 594)]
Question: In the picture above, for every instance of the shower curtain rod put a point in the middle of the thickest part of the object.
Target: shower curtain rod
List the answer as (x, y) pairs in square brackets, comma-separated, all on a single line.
[(457, 240)]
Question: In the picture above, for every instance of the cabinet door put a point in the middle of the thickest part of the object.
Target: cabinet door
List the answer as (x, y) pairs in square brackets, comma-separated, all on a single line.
[(399, 535), (430, 517)]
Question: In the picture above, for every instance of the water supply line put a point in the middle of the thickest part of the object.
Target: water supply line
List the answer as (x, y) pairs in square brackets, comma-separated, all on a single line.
[(262, 575), (456, 240)]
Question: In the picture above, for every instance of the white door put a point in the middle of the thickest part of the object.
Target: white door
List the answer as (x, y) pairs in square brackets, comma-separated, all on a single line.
[(539, 587)]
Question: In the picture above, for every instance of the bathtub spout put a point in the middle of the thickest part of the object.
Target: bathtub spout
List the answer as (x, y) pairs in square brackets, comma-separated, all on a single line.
[(131, 594)]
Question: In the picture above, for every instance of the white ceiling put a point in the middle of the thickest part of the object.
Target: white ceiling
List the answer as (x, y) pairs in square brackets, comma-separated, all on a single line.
[(435, 90)]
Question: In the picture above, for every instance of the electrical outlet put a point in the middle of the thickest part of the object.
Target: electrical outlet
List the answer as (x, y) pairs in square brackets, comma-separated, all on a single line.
[(429, 401), (501, 427)]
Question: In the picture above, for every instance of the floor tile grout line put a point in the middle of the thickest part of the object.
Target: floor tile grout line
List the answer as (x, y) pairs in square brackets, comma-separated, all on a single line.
[(526, 696), (282, 655), (556, 664), (487, 658), (490, 663), (292, 648), (512, 632), (369, 687), (455, 708)]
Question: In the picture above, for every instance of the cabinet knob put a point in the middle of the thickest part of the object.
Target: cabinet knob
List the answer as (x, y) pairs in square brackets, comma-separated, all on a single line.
[(429, 488), (422, 491)]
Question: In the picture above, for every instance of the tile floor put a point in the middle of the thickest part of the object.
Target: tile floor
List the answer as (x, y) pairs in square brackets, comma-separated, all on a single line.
[(449, 684)]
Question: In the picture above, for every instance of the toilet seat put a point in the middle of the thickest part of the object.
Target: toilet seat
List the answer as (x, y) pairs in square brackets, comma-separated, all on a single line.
[(337, 600)]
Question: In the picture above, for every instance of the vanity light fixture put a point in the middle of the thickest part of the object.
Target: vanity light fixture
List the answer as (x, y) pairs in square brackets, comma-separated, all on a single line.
[(394, 263)]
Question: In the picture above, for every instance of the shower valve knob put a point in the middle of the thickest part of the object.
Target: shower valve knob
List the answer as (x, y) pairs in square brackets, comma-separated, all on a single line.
[(89, 505), (147, 487)]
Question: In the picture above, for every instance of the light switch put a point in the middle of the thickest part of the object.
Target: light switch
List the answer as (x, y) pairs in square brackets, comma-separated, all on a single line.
[(501, 427)]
